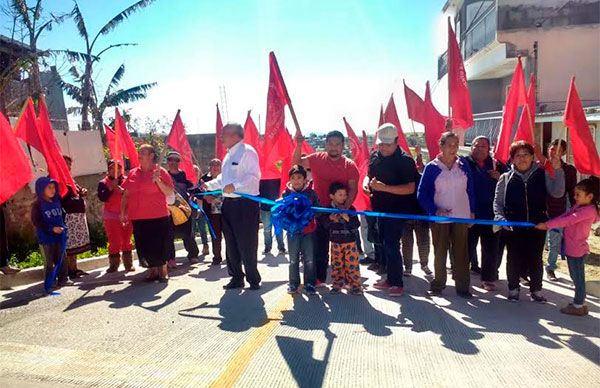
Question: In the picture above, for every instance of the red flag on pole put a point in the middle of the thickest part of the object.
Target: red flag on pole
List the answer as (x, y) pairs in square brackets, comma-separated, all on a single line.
[(26, 127), (251, 135), (355, 145), (585, 153), (38, 134), (111, 140), (179, 142), (391, 116), (277, 139), (516, 97), (434, 123), (364, 145), (57, 167), (219, 150), (414, 105), (15, 171), (458, 89), (527, 119), (123, 138)]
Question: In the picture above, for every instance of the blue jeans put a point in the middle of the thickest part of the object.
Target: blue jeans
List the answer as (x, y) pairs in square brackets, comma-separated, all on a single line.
[(577, 272), (200, 226), (301, 243), (265, 218), (554, 244)]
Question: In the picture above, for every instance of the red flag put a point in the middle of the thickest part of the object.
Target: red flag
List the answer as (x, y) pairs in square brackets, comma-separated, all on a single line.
[(219, 150), (434, 123), (307, 149), (516, 97), (15, 171), (585, 153), (37, 132), (414, 105), (527, 119), (111, 140), (124, 139), (179, 142), (276, 140), (285, 145), (364, 145), (363, 201), (26, 127), (458, 89), (251, 135), (355, 146), (391, 116), (57, 167)]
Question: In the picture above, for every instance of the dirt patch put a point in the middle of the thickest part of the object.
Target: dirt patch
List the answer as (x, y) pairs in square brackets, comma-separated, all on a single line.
[(592, 264)]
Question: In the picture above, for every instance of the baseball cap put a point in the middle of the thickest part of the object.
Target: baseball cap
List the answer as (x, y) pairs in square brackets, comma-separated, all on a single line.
[(387, 134)]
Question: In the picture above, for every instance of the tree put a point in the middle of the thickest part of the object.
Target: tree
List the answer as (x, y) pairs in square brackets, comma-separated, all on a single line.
[(111, 97), (91, 55), (34, 23)]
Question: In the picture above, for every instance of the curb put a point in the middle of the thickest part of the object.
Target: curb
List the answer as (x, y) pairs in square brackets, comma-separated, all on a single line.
[(36, 274)]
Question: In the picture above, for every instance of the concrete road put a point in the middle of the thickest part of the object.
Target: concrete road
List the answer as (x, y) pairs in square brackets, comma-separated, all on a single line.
[(117, 330)]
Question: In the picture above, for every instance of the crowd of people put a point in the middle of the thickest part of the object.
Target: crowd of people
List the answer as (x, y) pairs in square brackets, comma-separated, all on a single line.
[(157, 205)]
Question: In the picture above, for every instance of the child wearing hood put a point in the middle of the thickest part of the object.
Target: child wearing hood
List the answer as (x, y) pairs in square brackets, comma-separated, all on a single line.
[(301, 242), (47, 215)]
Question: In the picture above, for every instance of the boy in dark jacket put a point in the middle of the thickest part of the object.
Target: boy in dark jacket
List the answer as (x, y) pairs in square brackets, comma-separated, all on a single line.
[(301, 242), (47, 215), (342, 235)]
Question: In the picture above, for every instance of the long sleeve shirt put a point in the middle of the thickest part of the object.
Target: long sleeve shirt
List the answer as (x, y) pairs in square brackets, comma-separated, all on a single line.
[(577, 223), (241, 169)]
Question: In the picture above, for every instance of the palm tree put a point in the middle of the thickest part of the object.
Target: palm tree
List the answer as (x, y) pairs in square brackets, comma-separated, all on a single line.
[(91, 56), (112, 97), (34, 23)]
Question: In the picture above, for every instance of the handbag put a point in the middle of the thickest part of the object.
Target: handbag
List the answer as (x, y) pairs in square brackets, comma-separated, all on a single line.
[(180, 210)]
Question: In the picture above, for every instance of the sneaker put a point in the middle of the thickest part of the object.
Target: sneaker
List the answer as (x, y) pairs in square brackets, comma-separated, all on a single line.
[(426, 270), (172, 263), (292, 290), (373, 267), (382, 285), (205, 250), (320, 284), (8, 270), (488, 286), (266, 251), (572, 310), (513, 296), (356, 291), (434, 292), (396, 291), (335, 290), (476, 269), (309, 289), (551, 275), (366, 260), (63, 283), (407, 272), (537, 297)]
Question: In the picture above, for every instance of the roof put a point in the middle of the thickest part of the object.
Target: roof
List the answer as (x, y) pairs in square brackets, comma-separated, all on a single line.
[(11, 45)]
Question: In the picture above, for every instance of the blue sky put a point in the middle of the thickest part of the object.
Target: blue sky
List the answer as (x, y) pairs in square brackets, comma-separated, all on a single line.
[(338, 57)]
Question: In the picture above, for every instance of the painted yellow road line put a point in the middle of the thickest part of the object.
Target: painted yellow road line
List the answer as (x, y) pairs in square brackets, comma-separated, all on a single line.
[(240, 360)]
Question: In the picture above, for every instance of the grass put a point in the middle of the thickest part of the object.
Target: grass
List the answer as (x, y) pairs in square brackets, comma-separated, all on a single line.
[(592, 264), (35, 258)]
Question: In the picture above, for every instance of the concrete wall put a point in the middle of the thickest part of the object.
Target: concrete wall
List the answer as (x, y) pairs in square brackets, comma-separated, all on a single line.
[(522, 14), (486, 95)]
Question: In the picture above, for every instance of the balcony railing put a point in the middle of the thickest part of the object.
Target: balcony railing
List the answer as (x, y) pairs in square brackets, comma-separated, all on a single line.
[(478, 35)]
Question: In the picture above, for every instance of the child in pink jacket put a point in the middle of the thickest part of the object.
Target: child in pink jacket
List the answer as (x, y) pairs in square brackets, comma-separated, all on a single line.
[(577, 223)]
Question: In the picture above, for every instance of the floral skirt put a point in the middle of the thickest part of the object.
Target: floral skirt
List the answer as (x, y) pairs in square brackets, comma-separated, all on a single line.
[(78, 233)]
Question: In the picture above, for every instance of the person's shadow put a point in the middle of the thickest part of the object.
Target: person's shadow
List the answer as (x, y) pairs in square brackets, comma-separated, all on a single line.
[(239, 309), (274, 260)]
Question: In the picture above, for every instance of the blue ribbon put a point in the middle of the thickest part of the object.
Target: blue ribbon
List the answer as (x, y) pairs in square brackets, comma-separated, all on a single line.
[(203, 214), (51, 277), (456, 220)]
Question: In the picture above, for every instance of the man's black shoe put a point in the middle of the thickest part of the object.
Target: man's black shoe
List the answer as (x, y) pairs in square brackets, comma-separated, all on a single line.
[(255, 287), (476, 269), (233, 285)]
